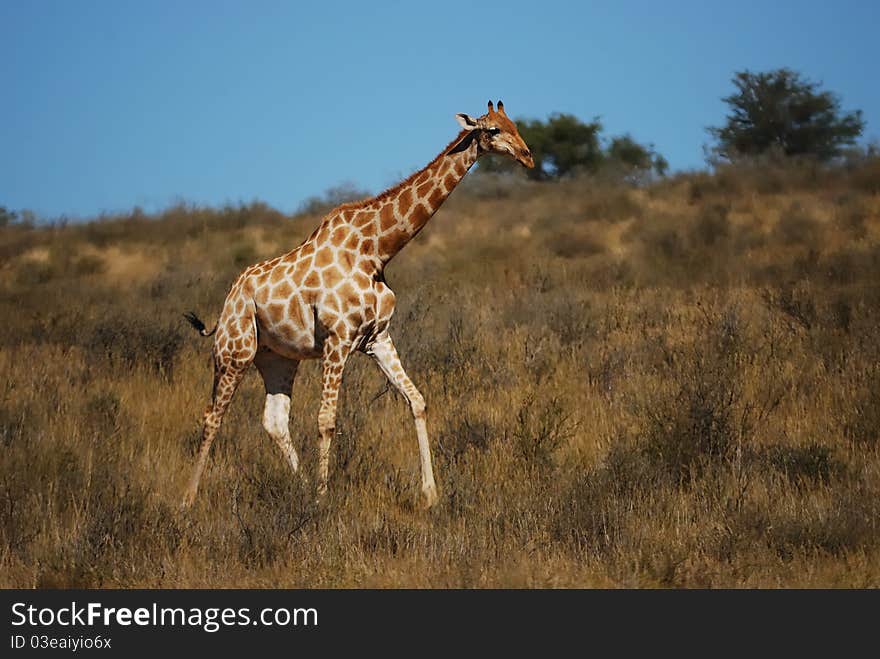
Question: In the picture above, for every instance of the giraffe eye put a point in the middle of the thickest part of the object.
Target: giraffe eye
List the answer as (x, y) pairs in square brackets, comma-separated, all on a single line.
[(493, 131)]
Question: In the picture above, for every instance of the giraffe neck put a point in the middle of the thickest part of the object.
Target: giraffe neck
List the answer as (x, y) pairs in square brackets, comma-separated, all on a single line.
[(404, 210)]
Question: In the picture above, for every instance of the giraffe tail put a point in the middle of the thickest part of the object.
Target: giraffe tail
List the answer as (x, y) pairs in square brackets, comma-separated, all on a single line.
[(194, 320)]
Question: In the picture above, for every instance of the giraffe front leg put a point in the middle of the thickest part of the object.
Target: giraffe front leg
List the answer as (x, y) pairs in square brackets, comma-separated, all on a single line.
[(385, 354), (335, 356), (278, 374)]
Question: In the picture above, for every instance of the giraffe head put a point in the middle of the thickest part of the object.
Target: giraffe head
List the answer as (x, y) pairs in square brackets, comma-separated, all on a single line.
[(496, 133)]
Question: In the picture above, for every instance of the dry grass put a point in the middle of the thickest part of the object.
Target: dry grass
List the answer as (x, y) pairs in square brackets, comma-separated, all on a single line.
[(671, 386)]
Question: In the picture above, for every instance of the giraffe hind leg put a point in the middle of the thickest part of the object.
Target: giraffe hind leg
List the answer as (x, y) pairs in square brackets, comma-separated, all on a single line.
[(230, 367), (336, 354), (226, 383)]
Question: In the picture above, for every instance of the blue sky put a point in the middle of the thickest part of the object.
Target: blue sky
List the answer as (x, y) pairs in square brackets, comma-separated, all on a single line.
[(108, 105)]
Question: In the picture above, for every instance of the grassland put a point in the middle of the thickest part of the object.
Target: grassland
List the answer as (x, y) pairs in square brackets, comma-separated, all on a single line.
[(667, 386)]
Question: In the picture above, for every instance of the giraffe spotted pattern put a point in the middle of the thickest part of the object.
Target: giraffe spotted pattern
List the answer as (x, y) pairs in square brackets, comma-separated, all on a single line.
[(327, 298)]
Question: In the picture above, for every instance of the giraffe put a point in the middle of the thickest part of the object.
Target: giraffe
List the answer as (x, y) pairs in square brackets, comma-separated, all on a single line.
[(328, 298)]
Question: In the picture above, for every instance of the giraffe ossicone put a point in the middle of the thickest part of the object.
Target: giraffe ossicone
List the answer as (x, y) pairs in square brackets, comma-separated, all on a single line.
[(328, 298)]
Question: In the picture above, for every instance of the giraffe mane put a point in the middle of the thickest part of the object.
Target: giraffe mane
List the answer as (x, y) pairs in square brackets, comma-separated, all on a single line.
[(393, 190)]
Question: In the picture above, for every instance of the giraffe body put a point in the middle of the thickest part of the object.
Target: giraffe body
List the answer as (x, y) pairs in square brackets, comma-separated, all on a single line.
[(328, 298)]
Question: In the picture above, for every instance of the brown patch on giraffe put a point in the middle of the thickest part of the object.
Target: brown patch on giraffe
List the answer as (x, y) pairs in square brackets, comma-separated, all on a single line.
[(331, 276), (306, 249), (355, 318), (386, 305), (361, 280), (368, 246), (393, 242), (362, 219), (283, 290), (312, 281), (308, 296), (345, 331), (276, 275), (449, 181), (262, 295), (275, 312), (327, 317), (248, 287), (295, 312), (420, 215), (302, 267), (386, 217), (331, 303), (352, 242), (349, 295), (368, 230), (339, 235), (346, 260), (424, 189), (324, 257), (436, 198), (404, 201), (423, 176)]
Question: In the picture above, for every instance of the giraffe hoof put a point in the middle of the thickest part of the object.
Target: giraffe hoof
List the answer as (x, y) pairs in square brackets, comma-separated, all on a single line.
[(189, 498), (321, 494), (429, 496)]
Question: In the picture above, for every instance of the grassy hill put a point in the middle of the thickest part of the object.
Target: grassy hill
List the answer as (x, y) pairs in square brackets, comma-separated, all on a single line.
[(675, 385)]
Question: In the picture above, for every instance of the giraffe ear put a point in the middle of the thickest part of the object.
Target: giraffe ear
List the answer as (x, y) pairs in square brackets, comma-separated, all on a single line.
[(467, 122)]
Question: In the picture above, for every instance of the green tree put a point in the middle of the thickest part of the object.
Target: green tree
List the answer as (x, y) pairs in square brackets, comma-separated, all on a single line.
[(779, 111), (6, 216), (634, 158), (570, 145)]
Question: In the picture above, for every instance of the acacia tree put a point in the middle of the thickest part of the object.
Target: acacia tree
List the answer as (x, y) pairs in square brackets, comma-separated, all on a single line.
[(781, 111)]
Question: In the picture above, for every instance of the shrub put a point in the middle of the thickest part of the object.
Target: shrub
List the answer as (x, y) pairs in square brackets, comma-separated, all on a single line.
[(127, 343), (797, 227)]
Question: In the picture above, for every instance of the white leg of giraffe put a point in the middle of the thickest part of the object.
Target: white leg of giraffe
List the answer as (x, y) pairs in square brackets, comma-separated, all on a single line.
[(278, 374), (386, 357), (335, 356)]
